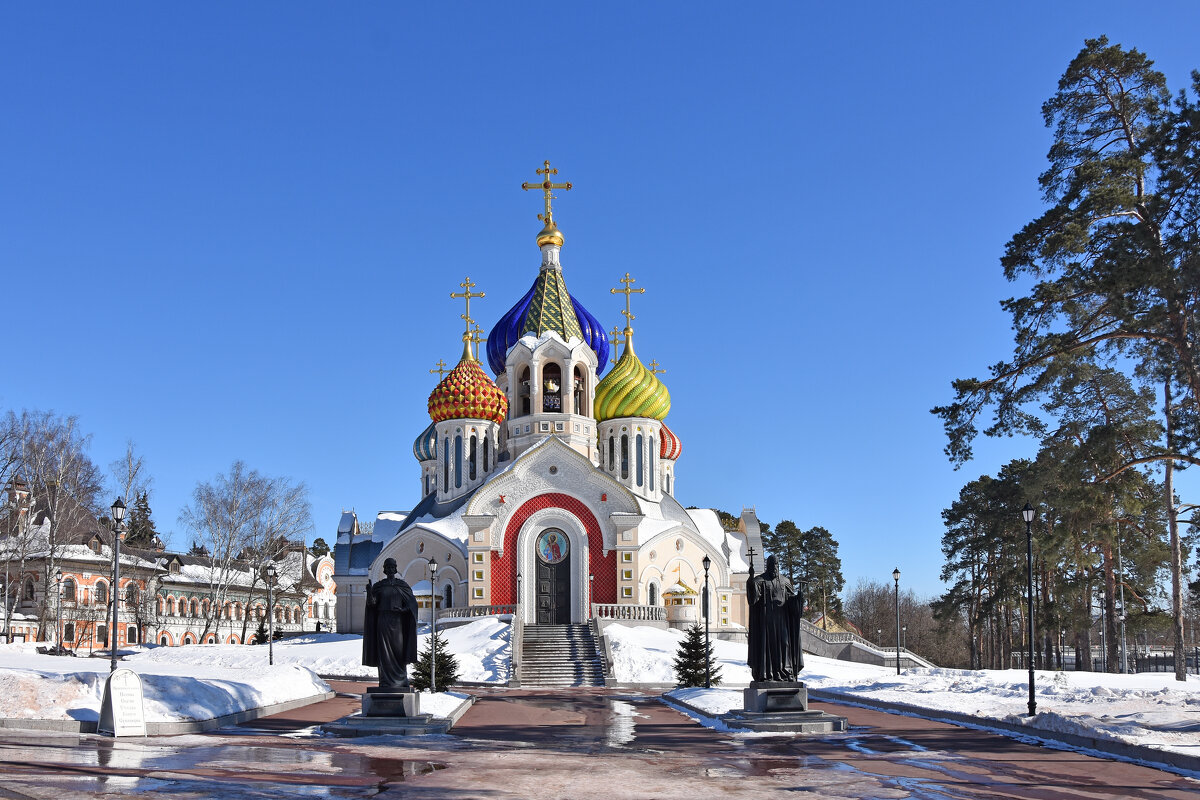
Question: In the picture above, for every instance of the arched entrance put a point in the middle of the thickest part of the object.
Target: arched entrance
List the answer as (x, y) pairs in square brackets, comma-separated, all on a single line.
[(552, 554)]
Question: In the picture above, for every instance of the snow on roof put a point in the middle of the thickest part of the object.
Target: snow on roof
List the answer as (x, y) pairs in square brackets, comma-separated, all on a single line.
[(709, 524), (386, 525), (449, 527), (679, 588), (422, 588)]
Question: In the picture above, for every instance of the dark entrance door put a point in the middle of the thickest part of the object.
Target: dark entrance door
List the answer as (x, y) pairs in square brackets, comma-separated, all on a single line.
[(553, 578)]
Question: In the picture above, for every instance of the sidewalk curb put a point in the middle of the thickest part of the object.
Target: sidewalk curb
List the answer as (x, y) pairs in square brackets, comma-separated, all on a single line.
[(1161, 759), (169, 728)]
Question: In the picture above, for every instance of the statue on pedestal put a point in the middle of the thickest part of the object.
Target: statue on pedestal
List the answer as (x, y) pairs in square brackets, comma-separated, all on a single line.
[(774, 635), (390, 629)]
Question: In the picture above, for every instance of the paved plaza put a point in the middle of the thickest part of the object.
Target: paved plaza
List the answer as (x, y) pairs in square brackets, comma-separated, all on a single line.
[(602, 743)]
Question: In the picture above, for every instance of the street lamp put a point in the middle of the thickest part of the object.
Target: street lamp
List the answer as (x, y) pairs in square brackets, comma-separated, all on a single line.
[(58, 576), (433, 566), (117, 511), (1027, 513), (707, 562), (269, 574), (896, 578)]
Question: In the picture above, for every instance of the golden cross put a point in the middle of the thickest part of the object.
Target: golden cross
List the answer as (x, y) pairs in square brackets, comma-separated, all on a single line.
[(467, 294), (615, 333), (656, 368), (546, 187), (628, 290), (477, 337), (441, 369)]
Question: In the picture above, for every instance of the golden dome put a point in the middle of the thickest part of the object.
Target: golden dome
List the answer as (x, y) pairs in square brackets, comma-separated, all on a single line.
[(550, 235)]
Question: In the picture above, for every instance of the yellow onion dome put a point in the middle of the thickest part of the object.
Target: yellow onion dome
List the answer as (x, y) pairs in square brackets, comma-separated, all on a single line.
[(467, 393), (631, 390), (550, 234)]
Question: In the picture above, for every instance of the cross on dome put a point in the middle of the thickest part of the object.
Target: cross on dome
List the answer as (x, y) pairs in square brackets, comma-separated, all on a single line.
[(656, 368), (547, 188), (441, 369), (627, 291), (467, 294)]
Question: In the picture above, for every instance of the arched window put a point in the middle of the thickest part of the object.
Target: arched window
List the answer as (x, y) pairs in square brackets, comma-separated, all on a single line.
[(654, 594), (551, 387), (195, 608), (640, 460), (131, 635), (624, 455), (653, 450), (446, 465), (28, 592), (131, 595), (448, 597), (577, 390), (427, 489), (474, 455), (69, 633), (164, 640), (667, 487), (486, 442), (458, 461), (171, 606), (523, 391), (612, 453), (100, 593), (69, 591)]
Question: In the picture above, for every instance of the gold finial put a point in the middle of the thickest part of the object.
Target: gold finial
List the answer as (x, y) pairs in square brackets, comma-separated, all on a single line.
[(656, 368), (476, 338), (550, 234), (467, 294), (629, 317), (441, 370)]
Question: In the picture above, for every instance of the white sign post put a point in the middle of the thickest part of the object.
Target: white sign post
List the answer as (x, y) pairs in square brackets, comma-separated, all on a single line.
[(121, 710)]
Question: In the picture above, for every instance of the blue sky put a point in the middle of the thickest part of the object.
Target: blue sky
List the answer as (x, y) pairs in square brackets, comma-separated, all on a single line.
[(231, 232)]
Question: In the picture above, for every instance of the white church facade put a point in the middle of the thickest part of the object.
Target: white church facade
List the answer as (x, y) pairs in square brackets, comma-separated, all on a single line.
[(550, 490)]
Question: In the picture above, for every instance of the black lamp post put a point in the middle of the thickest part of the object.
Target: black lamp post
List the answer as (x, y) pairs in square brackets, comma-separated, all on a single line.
[(433, 567), (58, 576), (117, 510), (269, 574), (1027, 513), (707, 562), (896, 578)]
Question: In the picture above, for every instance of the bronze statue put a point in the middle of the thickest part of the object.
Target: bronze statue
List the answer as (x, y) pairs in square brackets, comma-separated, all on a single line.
[(390, 629), (774, 636)]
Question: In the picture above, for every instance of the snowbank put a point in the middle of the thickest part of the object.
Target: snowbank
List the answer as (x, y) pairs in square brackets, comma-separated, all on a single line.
[(35, 686), (1148, 709)]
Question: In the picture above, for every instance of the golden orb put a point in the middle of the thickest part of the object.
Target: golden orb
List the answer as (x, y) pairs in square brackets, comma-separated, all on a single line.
[(550, 235)]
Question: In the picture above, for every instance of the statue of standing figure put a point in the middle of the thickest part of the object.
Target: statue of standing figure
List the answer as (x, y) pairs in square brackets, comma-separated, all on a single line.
[(390, 629), (774, 636)]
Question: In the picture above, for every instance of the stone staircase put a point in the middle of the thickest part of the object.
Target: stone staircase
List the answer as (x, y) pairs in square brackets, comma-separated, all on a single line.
[(560, 655)]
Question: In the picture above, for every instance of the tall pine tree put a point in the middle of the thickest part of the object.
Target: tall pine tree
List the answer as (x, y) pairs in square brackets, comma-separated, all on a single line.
[(141, 524)]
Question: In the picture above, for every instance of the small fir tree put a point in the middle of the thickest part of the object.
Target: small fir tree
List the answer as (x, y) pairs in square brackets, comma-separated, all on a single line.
[(693, 657), (260, 634), (447, 666)]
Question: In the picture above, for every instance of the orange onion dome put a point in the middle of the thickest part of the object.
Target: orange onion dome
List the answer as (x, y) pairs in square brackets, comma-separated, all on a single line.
[(467, 393), (671, 447)]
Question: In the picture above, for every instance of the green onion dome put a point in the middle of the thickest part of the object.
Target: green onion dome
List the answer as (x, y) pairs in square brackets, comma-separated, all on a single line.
[(631, 390), (467, 393)]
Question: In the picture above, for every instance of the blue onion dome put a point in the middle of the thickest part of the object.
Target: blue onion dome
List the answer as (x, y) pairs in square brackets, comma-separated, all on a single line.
[(425, 446), (547, 306)]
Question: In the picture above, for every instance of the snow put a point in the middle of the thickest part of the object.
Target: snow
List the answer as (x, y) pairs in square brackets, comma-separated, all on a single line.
[(199, 682), (1150, 709), (49, 687)]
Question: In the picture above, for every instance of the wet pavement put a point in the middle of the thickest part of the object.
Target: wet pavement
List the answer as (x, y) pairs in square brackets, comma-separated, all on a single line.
[(605, 743)]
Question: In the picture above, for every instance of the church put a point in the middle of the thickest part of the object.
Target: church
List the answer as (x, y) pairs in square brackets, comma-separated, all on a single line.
[(549, 490)]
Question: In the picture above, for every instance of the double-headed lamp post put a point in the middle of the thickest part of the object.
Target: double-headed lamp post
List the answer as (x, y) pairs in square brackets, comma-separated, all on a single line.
[(117, 511), (269, 575), (896, 578), (1027, 514), (58, 578), (707, 562), (433, 568)]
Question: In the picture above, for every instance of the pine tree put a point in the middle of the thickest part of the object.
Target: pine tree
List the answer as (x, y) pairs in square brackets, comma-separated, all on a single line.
[(141, 525), (692, 658), (319, 547), (447, 666), (260, 634)]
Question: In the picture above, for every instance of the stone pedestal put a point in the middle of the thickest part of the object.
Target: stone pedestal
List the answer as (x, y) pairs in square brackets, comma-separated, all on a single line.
[(380, 702), (764, 697), (781, 707)]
